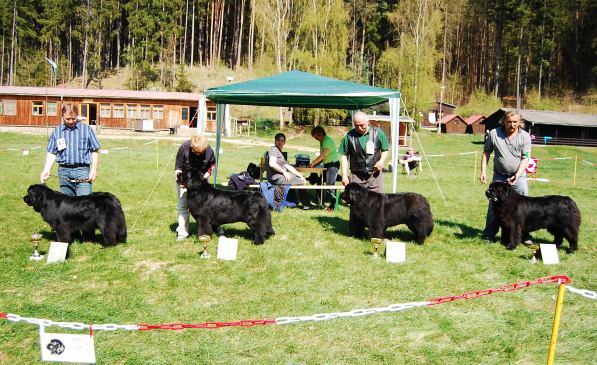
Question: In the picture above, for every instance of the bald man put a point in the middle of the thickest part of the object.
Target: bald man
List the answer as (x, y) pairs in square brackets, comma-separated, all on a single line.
[(364, 149)]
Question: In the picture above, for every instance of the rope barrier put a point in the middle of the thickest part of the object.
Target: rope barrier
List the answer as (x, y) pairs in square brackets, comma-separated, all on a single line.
[(559, 279)]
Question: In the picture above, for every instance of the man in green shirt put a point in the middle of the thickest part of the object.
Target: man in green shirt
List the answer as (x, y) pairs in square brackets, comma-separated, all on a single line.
[(365, 149), (328, 155)]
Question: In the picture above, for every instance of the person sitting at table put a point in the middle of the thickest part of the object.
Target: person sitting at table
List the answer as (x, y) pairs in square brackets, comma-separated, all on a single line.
[(410, 161), (280, 172), (328, 155)]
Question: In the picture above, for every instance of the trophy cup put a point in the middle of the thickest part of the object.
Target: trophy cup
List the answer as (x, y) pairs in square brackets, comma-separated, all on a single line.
[(204, 240), (376, 242), (534, 248), (36, 256)]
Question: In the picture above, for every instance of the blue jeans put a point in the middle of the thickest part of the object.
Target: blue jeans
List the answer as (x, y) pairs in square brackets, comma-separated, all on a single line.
[(331, 173), (66, 174), (492, 225)]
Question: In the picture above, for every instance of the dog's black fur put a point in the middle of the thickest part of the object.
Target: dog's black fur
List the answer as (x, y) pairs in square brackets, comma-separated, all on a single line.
[(519, 214), (69, 215), (213, 207), (379, 211)]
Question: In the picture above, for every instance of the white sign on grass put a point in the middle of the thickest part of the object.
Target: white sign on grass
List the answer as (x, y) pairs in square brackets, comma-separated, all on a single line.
[(549, 254), (395, 251), (62, 347), (25, 152), (104, 152), (57, 252), (227, 248)]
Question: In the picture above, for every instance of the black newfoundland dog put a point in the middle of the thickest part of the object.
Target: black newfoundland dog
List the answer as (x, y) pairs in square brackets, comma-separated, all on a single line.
[(519, 214), (213, 207), (379, 211), (69, 215)]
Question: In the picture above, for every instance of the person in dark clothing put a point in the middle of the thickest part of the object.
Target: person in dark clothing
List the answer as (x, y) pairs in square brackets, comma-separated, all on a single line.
[(197, 154), (365, 149)]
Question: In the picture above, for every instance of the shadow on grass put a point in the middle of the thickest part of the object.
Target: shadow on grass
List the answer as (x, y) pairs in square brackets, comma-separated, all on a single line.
[(467, 231), (337, 224)]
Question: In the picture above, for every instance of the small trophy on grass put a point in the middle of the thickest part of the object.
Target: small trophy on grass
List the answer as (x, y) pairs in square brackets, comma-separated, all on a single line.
[(36, 256), (534, 248), (204, 240), (376, 242)]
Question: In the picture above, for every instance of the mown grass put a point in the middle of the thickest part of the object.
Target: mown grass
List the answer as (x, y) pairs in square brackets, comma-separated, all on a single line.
[(309, 267)]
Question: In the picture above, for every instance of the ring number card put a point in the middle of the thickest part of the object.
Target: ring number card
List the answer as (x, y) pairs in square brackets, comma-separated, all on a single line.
[(395, 251), (62, 347)]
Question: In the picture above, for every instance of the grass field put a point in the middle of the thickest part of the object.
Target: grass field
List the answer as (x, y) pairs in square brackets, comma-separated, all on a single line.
[(308, 267)]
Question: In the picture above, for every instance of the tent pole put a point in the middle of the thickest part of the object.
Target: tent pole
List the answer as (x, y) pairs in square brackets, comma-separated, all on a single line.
[(220, 111), (395, 124)]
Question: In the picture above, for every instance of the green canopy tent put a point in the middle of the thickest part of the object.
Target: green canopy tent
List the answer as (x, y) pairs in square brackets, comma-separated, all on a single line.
[(302, 89)]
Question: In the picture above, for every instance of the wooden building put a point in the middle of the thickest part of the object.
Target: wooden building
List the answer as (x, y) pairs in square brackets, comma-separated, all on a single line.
[(453, 124), (433, 115), (549, 127), (383, 122), (474, 124), (126, 109)]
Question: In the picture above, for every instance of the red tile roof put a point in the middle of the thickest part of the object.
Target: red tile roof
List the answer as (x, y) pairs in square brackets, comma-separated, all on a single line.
[(450, 117), (474, 119)]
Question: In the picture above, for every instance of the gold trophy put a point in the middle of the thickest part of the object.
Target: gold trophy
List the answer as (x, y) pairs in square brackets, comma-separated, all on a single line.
[(534, 248), (204, 240), (36, 256), (376, 242)]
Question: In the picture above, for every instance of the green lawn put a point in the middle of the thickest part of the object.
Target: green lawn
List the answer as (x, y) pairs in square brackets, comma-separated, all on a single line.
[(308, 267)]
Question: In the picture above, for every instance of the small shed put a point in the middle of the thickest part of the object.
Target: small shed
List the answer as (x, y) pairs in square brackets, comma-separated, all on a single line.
[(126, 109), (474, 125), (383, 122), (453, 124), (433, 115)]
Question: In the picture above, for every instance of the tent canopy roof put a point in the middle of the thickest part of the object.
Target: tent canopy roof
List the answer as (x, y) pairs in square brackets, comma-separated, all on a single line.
[(301, 89)]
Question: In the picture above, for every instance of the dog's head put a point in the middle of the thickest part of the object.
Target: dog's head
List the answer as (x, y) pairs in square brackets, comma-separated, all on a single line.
[(353, 193), (498, 191), (36, 196), (190, 178)]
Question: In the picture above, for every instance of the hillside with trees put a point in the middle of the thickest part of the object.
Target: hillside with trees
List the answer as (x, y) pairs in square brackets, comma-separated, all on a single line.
[(535, 49)]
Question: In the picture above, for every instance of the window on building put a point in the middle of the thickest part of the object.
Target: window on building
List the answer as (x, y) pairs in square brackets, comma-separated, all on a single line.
[(105, 111), (158, 112), (132, 111), (118, 110), (52, 108), (145, 111), (1, 103), (38, 108), (211, 115), (185, 113), (10, 107)]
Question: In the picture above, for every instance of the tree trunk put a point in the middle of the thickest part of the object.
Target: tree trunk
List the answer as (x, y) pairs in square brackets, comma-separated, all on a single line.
[(251, 36), (2, 64), (85, 49), (11, 66), (240, 34), (192, 34), (518, 69), (498, 47), (200, 40), (183, 57)]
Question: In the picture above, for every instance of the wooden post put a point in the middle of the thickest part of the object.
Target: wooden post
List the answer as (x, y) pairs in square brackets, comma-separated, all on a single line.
[(556, 324)]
